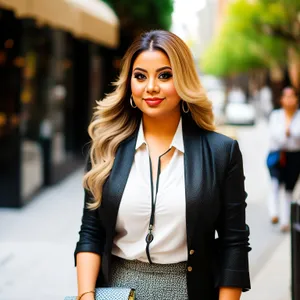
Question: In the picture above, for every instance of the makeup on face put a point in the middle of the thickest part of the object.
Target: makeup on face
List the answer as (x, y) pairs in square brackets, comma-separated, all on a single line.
[(163, 73), (153, 101), (152, 85)]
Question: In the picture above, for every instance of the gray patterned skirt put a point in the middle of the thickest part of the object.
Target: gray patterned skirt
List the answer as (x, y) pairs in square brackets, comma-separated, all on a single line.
[(156, 281)]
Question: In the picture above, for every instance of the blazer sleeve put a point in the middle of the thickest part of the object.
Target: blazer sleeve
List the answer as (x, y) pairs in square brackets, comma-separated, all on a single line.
[(91, 234), (232, 230)]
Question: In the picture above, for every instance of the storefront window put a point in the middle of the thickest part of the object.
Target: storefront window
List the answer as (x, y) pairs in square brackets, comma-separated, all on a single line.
[(31, 116), (96, 78), (57, 98)]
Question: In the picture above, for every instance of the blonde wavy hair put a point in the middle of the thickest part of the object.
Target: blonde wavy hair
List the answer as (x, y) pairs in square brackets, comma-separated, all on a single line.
[(114, 119)]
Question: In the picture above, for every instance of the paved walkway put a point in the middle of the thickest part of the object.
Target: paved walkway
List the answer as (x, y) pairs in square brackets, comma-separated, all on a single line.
[(37, 244), (273, 281)]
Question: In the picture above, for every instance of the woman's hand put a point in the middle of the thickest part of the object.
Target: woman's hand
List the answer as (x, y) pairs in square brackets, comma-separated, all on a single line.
[(88, 297), (230, 293)]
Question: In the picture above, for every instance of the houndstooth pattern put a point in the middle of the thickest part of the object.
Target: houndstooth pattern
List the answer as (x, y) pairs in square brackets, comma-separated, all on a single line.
[(108, 294), (151, 282)]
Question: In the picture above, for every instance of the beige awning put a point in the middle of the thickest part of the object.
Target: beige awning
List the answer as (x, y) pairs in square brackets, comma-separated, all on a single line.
[(88, 19), (18, 6), (56, 13), (96, 21)]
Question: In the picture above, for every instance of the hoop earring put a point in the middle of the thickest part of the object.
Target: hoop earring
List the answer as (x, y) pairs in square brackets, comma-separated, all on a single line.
[(132, 102), (185, 107)]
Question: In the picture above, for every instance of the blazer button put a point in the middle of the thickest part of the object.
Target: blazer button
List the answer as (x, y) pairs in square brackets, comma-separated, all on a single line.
[(190, 269), (192, 252)]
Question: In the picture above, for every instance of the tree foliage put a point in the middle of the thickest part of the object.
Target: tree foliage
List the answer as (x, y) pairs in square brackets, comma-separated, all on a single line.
[(137, 16), (254, 35)]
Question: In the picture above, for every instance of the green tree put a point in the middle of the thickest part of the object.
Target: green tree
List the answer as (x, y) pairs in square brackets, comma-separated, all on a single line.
[(240, 45), (136, 16), (281, 19), (263, 33)]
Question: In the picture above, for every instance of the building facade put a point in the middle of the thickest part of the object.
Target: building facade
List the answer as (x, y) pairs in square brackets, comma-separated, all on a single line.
[(54, 65)]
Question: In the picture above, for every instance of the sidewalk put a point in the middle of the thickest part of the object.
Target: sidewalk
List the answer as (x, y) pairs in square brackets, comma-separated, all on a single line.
[(272, 282), (37, 244)]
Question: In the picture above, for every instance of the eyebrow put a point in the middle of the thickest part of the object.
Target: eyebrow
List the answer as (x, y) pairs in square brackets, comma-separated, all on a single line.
[(158, 70)]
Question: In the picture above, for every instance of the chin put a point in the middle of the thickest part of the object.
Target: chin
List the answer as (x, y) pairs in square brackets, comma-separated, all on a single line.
[(154, 114), (159, 111)]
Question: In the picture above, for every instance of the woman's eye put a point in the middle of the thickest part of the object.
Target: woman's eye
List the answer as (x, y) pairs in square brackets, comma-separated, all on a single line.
[(165, 75), (139, 76)]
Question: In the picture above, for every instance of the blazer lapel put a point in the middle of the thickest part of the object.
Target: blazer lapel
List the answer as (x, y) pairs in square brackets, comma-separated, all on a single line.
[(193, 169), (193, 172), (114, 187)]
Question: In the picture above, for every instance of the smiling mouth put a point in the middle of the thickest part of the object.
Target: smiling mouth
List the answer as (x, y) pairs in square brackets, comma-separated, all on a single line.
[(154, 101)]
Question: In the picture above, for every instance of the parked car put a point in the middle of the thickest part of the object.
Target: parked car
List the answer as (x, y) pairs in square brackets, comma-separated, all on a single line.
[(240, 114), (218, 97), (215, 91), (238, 111)]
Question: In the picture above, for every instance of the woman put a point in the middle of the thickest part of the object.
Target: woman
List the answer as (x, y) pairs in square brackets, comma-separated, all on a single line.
[(284, 137), (160, 182)]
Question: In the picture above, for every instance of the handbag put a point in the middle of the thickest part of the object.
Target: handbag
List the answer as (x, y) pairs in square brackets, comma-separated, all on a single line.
[(273, 158), (111, 293), (276, 158)]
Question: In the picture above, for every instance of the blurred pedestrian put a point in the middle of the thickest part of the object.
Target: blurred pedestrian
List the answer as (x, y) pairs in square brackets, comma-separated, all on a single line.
[(159, 183), (284, 157), (266, 104)]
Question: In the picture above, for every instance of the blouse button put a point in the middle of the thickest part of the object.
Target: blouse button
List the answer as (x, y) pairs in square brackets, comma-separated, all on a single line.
[(192, 252), (190, 269)]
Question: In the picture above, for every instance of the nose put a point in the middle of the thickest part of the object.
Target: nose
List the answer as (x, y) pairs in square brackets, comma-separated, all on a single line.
[(152, 86)]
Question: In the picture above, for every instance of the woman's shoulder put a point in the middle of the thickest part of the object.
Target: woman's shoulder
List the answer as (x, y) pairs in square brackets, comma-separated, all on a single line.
[(219, 137), (214, 140), (219, 142), (276, 112), (276, 118), (220, 148)]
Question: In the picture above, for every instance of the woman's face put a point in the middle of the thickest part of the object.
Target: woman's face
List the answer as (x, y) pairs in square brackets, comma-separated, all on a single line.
[(289, 99), (152, 85)]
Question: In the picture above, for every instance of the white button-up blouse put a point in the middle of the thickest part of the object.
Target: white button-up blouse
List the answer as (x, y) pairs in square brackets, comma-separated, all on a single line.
[(170, 240), (278, 138)]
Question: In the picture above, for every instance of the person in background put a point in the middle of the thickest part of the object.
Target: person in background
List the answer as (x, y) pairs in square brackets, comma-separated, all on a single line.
[(284, 128), (266, 104), (160, 183)]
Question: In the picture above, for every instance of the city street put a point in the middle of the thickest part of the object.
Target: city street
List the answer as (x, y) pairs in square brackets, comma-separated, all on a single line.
[(37, 241), (65, 63)]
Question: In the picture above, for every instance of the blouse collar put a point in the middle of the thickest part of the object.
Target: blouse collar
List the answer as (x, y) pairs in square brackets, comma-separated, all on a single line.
[(177, 141)]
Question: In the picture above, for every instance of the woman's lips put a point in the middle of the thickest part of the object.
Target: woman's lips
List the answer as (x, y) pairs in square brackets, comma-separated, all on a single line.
[(154, 101)]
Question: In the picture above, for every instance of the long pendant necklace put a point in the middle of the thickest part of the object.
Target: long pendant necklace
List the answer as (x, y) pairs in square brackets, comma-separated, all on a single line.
[(150, 236)]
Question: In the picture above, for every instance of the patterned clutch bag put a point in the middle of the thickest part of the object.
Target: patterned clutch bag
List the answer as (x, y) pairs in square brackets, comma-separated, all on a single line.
[(112, 293)]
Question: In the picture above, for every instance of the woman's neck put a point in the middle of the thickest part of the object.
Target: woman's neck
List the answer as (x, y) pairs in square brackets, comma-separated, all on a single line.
[(290, 112), (161, 127)]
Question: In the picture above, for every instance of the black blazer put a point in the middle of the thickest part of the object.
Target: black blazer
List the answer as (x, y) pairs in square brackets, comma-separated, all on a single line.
[(215, 201)]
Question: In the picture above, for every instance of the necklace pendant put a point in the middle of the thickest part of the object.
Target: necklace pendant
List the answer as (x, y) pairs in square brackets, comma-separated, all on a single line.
[(149, 237)]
